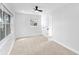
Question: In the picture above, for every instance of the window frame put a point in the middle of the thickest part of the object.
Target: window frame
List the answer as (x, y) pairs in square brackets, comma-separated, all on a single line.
[(5, 24)]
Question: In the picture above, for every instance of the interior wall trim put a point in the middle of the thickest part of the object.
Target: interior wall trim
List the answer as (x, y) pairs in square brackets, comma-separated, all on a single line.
[(7, 9)]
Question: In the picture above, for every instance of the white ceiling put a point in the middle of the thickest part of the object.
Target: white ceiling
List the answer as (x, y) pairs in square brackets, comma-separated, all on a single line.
[(28, 7)]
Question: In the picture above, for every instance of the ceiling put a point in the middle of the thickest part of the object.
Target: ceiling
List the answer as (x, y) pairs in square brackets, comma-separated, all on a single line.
[(28, 7)]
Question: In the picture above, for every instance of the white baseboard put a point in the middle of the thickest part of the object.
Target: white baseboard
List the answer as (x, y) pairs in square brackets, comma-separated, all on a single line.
[(31, 35), (73, 50), (23, 36), (11, 47)]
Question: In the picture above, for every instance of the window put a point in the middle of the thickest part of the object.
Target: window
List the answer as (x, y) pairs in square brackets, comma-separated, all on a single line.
[(4, 24), (6, 18), (0, 23)]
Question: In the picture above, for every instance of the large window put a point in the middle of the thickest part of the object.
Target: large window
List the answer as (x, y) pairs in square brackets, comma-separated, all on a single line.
[(0, 24), (4, 24)]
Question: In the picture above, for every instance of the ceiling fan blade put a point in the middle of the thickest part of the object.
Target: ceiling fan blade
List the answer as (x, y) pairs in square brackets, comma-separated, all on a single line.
[(40, 10)]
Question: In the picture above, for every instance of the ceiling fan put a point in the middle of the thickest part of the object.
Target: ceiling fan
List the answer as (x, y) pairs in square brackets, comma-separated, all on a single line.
[(36, 9)]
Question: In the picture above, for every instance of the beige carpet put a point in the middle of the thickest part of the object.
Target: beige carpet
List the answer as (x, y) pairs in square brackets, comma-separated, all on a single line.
[(38, 45)]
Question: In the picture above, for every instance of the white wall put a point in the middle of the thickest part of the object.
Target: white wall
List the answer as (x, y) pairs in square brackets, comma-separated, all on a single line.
[(23, 27), (66, 26), (7, 42)]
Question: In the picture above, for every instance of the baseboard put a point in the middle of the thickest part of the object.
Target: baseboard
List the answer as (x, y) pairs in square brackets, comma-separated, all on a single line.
[(11, 47), (19, 37), (73, 50)]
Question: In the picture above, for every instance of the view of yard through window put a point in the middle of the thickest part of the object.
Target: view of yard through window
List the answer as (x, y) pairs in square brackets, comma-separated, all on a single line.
[(4, 24)]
